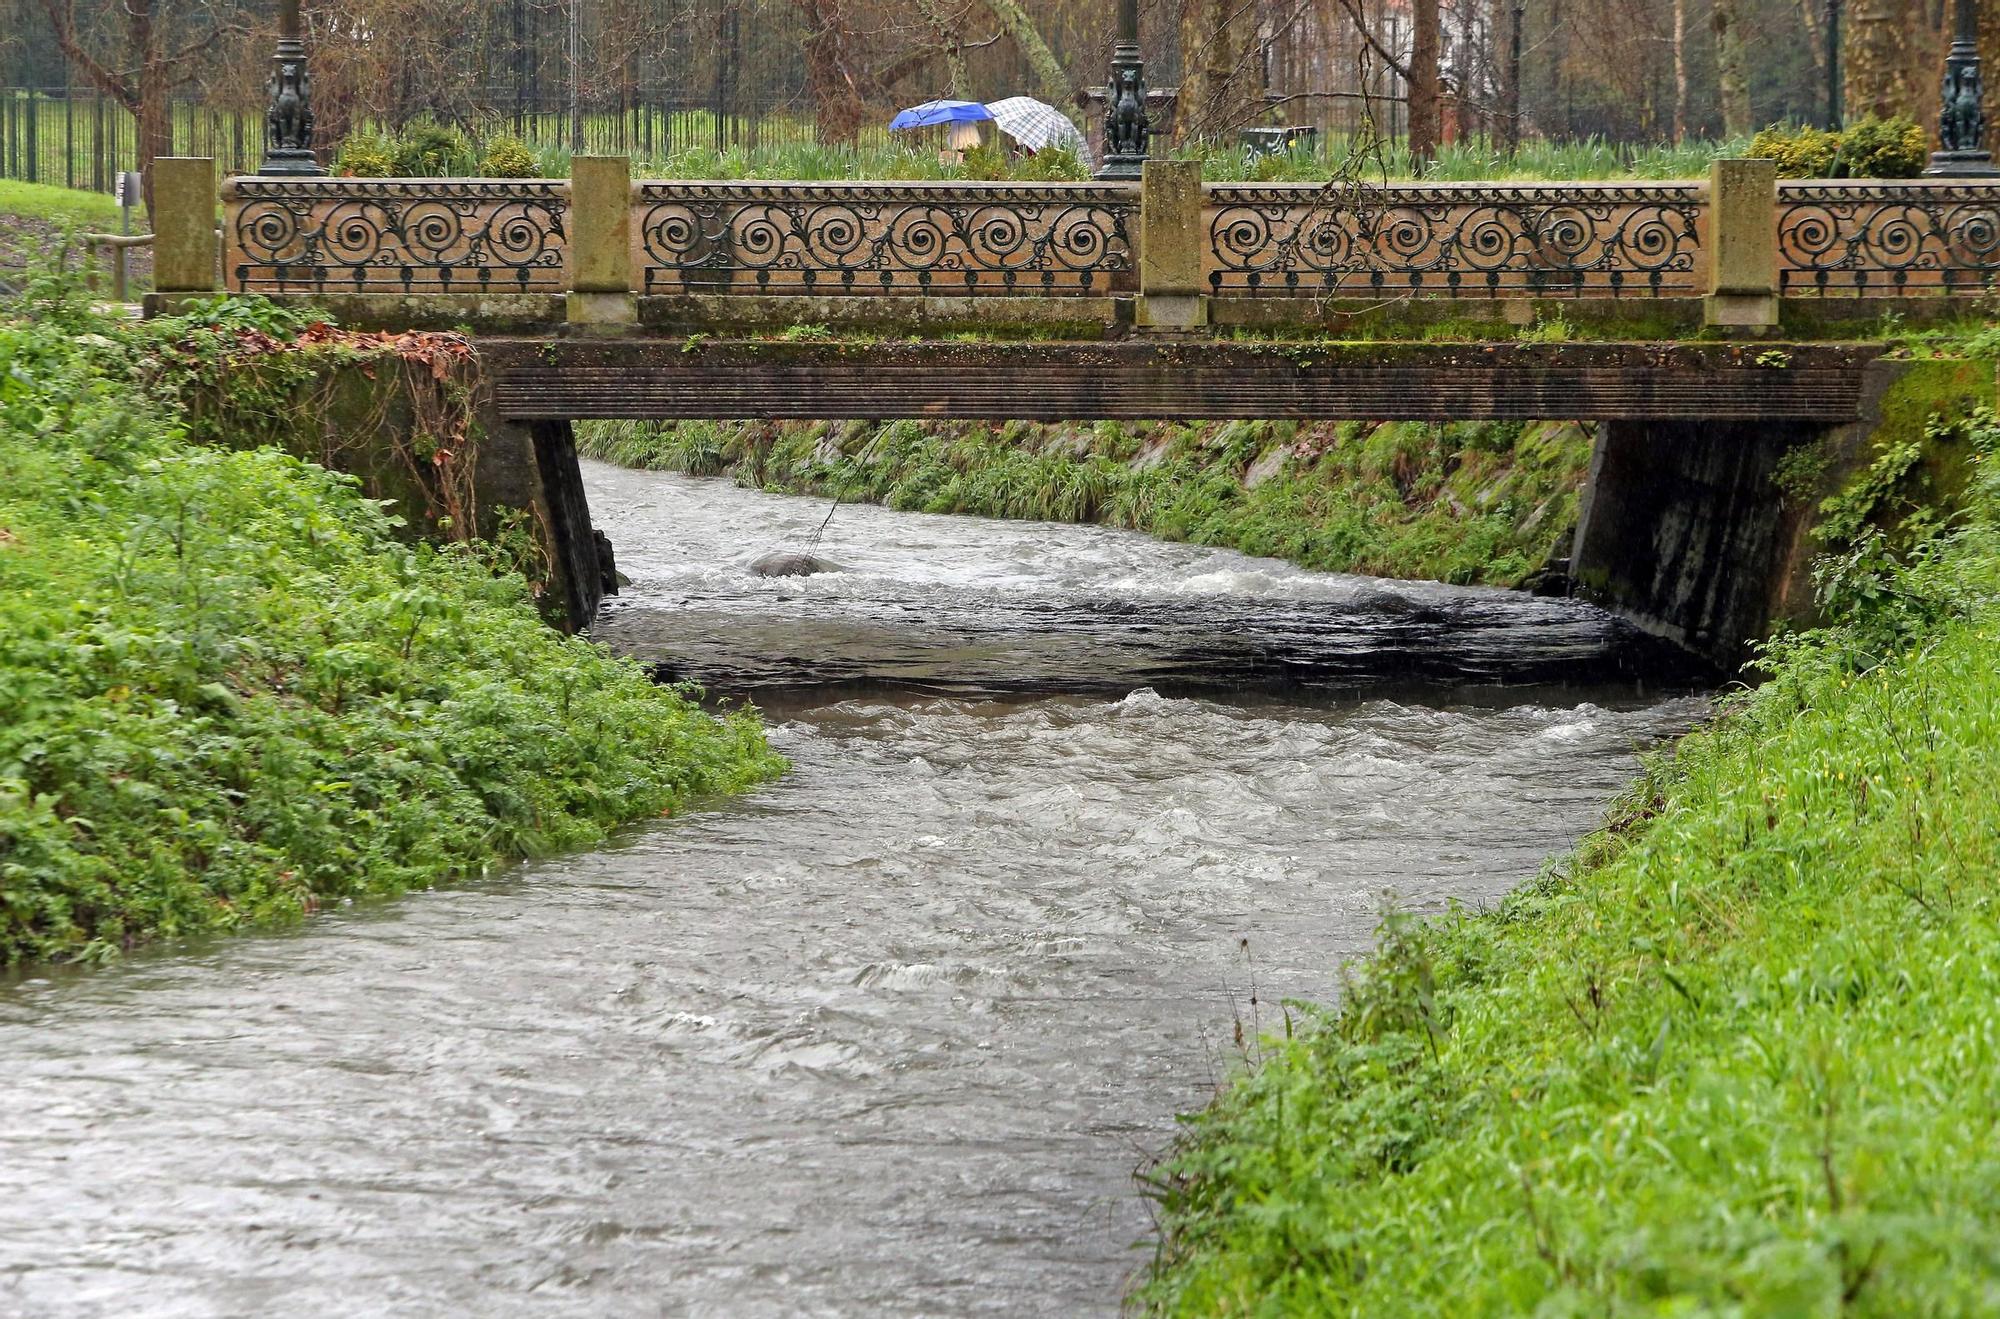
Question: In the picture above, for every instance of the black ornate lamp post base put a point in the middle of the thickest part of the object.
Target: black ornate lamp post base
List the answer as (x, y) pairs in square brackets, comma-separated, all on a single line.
[(1126, 128), (291, 163), (288, 122), (1962, 165), (1961, 121)]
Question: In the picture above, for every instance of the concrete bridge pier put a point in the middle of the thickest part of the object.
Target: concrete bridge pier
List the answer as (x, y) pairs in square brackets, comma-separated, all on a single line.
[(1685, 532), (1687, 529), (538, 460)]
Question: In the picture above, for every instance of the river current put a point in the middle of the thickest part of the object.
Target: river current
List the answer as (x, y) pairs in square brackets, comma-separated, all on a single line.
[(886, 1037)]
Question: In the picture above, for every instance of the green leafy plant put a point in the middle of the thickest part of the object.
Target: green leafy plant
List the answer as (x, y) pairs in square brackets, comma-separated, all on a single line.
[(231, 694), (1801, 153), (1884, 149), (1051, 164), (509, 158), (366, 156), (427, 150), (1870, 149)]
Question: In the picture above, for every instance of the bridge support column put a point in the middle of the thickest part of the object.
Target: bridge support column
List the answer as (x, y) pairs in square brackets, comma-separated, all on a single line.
[(1170, 247), (531, 466), (601, 300), (1742, 245), (1685, 532)]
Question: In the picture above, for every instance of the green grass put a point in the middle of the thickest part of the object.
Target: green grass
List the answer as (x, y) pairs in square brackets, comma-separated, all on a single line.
[(1473, 503), (230, 695), (63, 206), (1739, 1055)]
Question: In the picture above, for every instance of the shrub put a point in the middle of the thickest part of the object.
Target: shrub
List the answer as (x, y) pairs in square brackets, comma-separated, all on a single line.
[(986, 162), (1052, 164), (433, 151), (1885, 149), (509, 158), (366, 156), (1871, 149), (1801, 153)]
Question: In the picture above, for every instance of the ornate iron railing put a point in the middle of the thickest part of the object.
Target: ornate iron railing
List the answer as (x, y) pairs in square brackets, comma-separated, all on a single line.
[(868, 238), (1470, 240), (1888, 237), (395, 235)]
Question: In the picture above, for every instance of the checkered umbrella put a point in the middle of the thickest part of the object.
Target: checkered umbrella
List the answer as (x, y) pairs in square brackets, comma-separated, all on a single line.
[(1037, 124)]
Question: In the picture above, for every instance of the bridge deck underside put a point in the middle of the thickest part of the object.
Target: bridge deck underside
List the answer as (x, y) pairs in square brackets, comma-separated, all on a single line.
[(676, 380)]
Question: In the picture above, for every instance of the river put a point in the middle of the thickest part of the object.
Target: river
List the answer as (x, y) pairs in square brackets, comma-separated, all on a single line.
[(887, 1037)]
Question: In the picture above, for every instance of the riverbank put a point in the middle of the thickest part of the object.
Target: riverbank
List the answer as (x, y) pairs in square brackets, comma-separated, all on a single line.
[(1740, 1052), (229, 695), (1492, 503)]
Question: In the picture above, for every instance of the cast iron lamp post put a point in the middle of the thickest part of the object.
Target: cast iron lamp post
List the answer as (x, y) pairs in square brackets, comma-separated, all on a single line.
[(1833, 112), (288, 122), (1125, 126), (1961, 122)]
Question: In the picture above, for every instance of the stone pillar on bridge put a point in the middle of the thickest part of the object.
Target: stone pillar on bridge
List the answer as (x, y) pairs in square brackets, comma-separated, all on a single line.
[(1171, 296), (1742, 245), (600, 245), (185, 253)]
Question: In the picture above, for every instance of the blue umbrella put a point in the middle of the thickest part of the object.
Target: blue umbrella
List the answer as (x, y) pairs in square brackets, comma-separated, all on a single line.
[(940, 112)]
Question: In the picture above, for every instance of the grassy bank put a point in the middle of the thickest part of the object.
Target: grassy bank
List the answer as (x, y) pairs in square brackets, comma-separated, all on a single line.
[(1486, 503), (229, 695), (1739, 1055)]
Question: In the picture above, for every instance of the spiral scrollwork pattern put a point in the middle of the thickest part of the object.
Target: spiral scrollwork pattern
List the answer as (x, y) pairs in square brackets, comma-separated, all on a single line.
[(396, 235), (1476, 240), (1893, 239), (884, 238)]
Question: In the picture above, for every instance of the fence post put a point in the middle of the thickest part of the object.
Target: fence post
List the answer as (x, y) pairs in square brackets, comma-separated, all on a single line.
[(600, 243), (183, 215), (1742, 245), (1170, 239)]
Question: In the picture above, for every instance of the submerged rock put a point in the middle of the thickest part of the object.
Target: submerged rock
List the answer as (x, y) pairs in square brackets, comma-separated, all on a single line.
[(780, 563)]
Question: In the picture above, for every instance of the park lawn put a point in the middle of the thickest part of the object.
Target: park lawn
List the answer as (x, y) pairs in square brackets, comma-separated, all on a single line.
[(231, 695), (1739, 1055), (71, 206)]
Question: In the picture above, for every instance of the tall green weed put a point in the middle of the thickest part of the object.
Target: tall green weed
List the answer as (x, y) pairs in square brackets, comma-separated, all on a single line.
[(228, 694)]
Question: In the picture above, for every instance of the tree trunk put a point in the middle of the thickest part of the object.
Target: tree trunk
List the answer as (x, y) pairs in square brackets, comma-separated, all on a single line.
[(837, 108), (1425, 112), (1050, 81), (1875, 48), (1681, 106), (1510, 110), (1732, 81), (156, 130)]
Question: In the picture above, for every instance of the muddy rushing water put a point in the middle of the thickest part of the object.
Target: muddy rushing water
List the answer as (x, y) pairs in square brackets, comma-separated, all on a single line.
[(888, 1037)]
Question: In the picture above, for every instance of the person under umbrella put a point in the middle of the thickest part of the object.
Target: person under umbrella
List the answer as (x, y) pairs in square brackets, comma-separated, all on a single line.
[(960, 118), (1037, 125)]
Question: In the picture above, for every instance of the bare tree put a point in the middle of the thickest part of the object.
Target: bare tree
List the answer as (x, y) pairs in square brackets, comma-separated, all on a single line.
[(152, 48)]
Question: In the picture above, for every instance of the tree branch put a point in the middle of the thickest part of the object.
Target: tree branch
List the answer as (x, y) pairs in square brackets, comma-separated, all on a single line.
[(62, 20)]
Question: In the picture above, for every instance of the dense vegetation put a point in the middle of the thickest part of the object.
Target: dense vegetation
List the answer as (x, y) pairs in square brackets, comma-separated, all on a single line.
[(1739, 1055), (1871, 149), (1487, 503), (228, 693)]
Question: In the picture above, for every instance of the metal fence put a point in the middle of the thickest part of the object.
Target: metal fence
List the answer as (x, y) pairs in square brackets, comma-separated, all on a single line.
[(78, 139)]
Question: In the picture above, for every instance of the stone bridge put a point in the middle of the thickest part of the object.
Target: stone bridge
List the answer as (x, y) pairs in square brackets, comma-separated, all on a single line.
[(1710, 325)]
